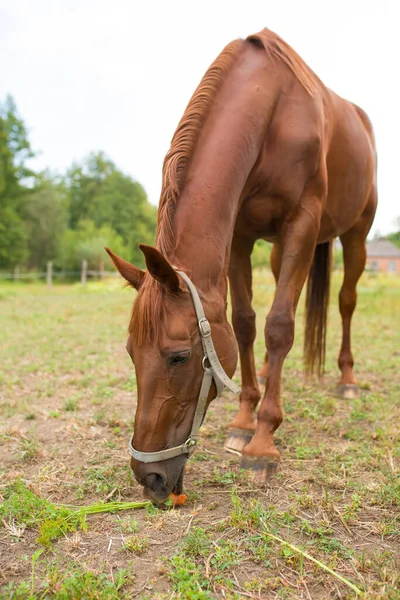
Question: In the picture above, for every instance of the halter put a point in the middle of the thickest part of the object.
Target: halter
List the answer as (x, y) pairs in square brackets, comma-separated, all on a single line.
[(212, 371)]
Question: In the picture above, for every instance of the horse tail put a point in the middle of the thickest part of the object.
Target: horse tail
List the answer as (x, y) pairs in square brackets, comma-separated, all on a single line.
[(316, 312)]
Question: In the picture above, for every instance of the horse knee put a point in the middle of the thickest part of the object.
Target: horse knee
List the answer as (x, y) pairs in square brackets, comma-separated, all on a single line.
[(279, 333), (244, 325), (347, 301)]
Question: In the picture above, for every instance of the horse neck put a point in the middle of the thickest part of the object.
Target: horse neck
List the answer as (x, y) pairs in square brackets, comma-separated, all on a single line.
[(227, 149)]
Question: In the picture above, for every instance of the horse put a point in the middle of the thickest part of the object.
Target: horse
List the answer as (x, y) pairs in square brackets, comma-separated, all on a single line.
[(264, 150)]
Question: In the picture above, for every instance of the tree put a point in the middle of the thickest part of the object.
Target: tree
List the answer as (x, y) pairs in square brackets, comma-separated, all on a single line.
[(123, 205), (84, 182), (395, 236), (45, 218), (98, 203), (13, 246), (15, 177), (100, 193), (88, 242)]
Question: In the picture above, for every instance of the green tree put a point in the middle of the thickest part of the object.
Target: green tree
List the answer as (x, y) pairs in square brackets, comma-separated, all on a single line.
[(13, 238), (15, 151), (123, 205), (15, 178), (395, 236), (45, 217), (100, 193), (84, 182), (87, 242)]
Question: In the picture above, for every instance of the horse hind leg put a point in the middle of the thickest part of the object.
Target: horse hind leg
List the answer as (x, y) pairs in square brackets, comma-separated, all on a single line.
[(354, 258)]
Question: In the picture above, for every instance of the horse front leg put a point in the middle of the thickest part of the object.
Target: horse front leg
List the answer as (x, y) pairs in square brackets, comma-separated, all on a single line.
[(298, 245), (243, 319), (275, 262)]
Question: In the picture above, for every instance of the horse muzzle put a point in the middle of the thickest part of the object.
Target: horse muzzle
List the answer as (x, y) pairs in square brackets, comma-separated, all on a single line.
[(159, 479)]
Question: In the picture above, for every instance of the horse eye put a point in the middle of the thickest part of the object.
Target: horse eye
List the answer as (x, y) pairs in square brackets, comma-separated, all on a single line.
[(178, 358)]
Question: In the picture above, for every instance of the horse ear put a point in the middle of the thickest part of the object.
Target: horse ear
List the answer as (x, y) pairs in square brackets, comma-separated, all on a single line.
[(133, 275), (160, 268)]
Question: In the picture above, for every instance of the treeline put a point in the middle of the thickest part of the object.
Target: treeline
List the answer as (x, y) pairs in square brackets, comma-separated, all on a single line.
[(395, 236), (66, 218)]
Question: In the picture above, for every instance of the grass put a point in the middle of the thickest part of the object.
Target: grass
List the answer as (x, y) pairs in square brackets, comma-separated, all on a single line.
[(24, 508), (136, 544), (75, 583), (67, 401)]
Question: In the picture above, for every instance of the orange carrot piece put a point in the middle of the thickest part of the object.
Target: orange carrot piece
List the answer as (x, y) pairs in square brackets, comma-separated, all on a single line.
[(177, 500)]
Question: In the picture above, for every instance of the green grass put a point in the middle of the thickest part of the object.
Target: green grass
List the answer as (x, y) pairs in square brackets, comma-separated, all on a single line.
[(136, 544), (23, 508), (67, 402), (76, 583)]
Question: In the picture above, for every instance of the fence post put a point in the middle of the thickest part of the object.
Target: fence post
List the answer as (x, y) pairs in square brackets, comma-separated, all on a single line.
[(16, 273), (84, 272), (49, 275)]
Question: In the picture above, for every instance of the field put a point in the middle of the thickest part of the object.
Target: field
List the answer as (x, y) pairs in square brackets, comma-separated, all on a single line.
[(67, 402)]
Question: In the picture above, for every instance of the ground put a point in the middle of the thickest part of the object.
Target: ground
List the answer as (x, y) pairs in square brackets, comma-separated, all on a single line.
[(67, 402)]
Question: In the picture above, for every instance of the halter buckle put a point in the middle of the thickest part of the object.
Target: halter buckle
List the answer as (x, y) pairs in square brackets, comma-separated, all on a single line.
[(205, 328), (190, 445)]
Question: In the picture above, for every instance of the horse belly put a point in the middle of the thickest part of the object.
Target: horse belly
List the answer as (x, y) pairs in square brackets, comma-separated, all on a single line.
[(260, 217)]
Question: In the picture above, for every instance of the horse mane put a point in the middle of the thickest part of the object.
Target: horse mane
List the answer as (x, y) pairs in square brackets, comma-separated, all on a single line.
[(276, 47), (179, 156), (148, 313)]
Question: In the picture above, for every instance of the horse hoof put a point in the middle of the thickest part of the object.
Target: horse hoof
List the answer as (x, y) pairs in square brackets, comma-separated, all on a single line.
[(261, 468), (237, 439), (348, 391), (261, 379)]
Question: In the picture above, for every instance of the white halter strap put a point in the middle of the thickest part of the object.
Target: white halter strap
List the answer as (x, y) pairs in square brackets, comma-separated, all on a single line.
[(212, 370)]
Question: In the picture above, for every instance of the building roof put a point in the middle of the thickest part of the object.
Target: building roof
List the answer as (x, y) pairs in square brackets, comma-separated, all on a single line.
[(382, 249)]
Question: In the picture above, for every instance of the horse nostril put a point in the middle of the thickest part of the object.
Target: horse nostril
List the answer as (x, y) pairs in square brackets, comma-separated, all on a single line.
[(155, 481)]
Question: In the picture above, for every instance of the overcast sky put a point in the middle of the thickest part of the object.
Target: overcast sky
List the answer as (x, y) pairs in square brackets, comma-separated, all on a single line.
[(116, 75)]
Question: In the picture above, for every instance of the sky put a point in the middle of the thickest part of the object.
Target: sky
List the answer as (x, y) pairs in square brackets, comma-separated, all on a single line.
[(116, 76)]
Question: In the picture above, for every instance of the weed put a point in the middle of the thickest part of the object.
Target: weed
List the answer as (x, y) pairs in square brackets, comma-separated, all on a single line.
[(71, 404), (259, 549), (248, 515), (129, 525), (188, 580), (29, 449), (197, 543), (103, 480), (226, 556), (352, 509), (136, 544)]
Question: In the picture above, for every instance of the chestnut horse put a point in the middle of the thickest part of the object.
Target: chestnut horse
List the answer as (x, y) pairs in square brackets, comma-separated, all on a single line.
[(263, 150)]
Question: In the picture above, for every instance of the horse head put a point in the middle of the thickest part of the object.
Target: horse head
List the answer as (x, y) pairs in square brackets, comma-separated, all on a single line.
[(176, 376)]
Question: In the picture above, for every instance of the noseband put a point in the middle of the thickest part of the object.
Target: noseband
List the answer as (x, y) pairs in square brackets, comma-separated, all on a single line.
[(212, 371)]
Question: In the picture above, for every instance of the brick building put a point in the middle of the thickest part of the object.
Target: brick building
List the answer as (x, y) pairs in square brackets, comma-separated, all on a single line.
[(383, 257)]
